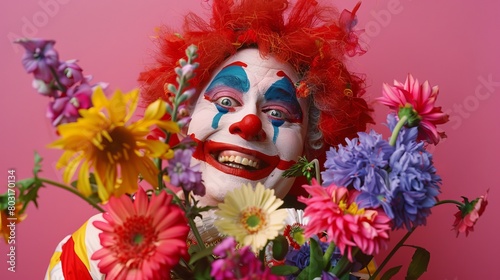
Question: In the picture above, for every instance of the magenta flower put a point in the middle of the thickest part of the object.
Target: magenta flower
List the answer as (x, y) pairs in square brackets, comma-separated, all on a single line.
[(333, 209), (235, 263), (419, 100), (69, 73), (469, 213), (40, 58), (65, 109)]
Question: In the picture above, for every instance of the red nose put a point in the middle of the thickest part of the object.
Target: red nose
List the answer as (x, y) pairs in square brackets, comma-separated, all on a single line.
[(249, 128)]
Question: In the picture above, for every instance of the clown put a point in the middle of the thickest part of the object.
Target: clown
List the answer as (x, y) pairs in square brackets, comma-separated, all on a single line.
[(255, 117), (270, 89)]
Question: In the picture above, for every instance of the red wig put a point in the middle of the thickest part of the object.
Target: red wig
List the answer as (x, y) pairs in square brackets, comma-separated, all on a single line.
[(314, 39)]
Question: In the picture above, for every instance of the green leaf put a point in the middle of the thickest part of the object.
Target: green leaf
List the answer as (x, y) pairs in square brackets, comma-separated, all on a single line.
[(29, 192), (38, 164), (346, 276), (4, 201), (302, 168), (419, 263), (280, 247), (284, 270), (202, 270), (197, 255), (25, 183), (316, 264), (316, 258), (391, 272)]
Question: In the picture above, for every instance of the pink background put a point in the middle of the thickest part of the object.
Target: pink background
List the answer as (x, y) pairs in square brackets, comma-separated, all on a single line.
[(450, 43)]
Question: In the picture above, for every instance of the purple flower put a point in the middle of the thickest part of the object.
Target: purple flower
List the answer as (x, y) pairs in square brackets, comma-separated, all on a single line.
[(40, 58), (69, 73), (414, 182), (65, 109), (361, 164), (183, 175)]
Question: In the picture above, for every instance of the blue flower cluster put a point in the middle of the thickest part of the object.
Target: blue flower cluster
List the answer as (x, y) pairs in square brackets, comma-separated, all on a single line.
[(401, 178)]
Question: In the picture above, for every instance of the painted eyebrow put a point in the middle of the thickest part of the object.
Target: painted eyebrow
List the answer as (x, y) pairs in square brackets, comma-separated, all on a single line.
[(283, 90), (233, 76)]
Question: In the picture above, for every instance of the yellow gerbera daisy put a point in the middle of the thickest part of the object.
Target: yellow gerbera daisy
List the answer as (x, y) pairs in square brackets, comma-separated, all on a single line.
[(118, 151), (251, 215)]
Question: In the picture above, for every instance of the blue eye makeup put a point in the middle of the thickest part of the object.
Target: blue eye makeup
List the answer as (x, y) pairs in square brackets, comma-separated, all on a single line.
[(283, 104), (230, 78), (282, 94)]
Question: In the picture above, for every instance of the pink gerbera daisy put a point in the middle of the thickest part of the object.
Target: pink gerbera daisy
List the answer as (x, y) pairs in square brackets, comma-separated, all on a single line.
[(333, 209), (420, 100), (469, 213), (141, 239)]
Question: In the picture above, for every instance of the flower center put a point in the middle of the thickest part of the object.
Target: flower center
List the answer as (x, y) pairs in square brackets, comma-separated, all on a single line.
[(295, 235), (179, 168), (74, 101), (136, 240), (351, 208), (253, 219), (115, 145)]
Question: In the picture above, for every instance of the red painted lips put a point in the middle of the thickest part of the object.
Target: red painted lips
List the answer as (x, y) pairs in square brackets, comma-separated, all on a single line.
[(238, 161)]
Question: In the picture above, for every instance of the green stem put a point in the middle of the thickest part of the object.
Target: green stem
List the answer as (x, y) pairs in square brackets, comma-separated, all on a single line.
[(328, 254), (391, 254), (60, 86), (316, 168), (396, 130), (72, 190), (344, 265), (196, 234), (450, 201)]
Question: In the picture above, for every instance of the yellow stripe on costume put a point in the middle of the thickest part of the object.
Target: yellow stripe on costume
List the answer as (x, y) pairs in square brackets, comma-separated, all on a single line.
[(80, 248), (54, 260)]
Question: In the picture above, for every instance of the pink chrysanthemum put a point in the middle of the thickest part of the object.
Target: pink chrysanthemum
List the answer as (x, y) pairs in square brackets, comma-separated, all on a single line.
[(467, 216), (141, 239), (421, 99), (333, 209)]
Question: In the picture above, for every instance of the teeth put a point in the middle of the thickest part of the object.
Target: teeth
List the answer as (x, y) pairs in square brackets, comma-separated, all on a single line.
[(237, 161)]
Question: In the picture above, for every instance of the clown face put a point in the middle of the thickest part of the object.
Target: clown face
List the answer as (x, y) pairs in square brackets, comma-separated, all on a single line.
[(249, 125)]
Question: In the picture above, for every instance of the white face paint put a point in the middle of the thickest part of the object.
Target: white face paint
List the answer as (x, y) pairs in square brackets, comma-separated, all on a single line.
[(249, 125)]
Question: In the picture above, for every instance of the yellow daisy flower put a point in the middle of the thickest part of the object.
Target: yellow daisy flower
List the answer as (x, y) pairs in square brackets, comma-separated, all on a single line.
[(251, 216), (118, 151)]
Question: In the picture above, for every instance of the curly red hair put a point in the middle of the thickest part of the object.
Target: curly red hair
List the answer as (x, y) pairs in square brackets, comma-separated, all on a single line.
[(314, 40)]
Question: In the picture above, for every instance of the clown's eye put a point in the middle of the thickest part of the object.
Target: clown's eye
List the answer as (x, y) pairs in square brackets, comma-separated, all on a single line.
[(276, 114), (227, 102)]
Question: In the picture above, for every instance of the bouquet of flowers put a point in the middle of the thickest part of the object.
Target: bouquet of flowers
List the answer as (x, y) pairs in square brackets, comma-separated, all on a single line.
[(368, 188)]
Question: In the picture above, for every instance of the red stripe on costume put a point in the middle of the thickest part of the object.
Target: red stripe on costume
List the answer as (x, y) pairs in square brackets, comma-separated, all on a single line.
[(73, 268)]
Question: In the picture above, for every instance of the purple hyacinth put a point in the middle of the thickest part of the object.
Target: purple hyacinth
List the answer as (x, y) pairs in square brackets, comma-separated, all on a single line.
[(183, 175), (361, 164), (414, 182), (40, 58)]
